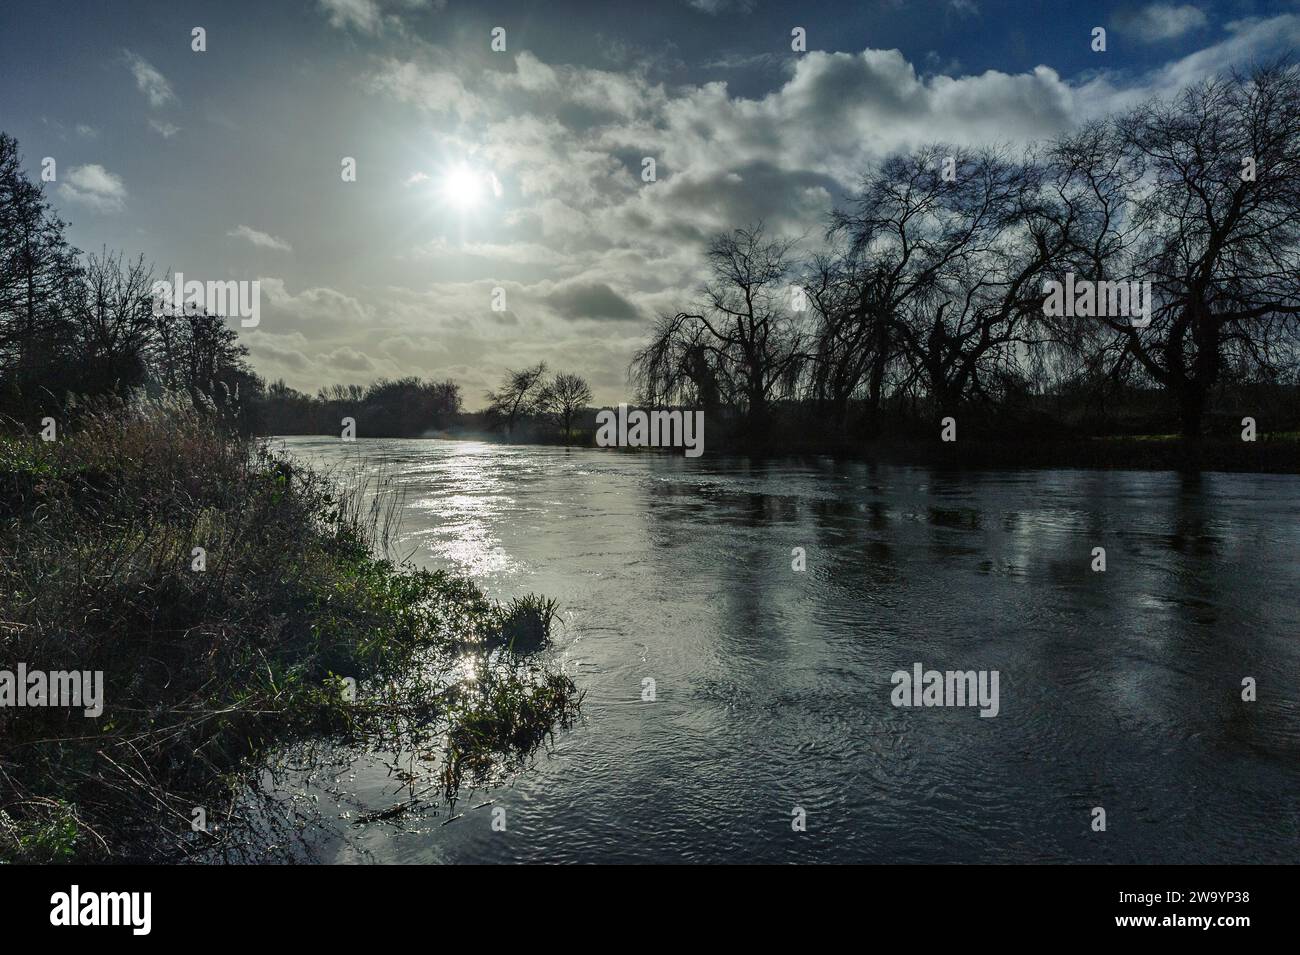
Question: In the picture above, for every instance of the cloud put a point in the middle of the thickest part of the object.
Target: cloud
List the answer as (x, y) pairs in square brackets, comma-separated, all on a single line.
[(519, 253), (591, 300), (260, 239), (1248, 40), (363, 15), (1161, 21), (164, 129), (766, 61), (423, 349), (370, 16), (95, 187), (149, 81), (324, 312), (276, 355), (349, 359), (434, 90), (715, 7)]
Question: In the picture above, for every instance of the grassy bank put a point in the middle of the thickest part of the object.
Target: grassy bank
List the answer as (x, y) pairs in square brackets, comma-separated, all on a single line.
[(289, 626)]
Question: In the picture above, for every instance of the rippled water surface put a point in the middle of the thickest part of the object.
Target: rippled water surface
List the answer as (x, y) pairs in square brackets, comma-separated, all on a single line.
[(1119, 689)]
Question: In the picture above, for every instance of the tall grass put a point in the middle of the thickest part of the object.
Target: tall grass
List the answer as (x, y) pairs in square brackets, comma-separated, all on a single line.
[(206, 671)]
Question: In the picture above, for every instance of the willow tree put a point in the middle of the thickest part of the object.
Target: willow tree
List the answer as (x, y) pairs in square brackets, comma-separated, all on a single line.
[(1216, 216), (946, 247), (743, 345)]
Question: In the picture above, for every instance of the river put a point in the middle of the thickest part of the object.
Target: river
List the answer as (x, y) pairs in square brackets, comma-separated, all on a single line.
[(1119, 689)]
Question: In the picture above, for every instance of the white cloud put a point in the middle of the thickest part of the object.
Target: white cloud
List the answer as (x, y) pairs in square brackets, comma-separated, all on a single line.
[(363, 15), (1247, 41), (370, 16), (1162, 21), (348, 359), (95, 187), (431, 89), (149, 81), (164, 129), (323, 310), (260, 239), (715, 7), (518, 253)]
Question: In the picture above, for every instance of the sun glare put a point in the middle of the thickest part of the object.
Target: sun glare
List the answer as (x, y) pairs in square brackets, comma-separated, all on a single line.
[(464, 187)]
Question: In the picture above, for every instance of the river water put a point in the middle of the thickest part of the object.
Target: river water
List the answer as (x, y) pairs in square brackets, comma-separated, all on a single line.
[(1119, 689)]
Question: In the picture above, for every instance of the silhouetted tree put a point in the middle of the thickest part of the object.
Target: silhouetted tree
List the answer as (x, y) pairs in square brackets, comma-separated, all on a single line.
[(38, 273), (112, 310), (517, 395), (1217, 232), (744, 345), (563, 397)]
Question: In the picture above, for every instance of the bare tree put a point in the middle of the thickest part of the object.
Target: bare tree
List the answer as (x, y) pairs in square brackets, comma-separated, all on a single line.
[(1217, 214), (679, 365), (114, 321), (748, 313), (744, 345), (563, 397), (38, 270), (944, 246), (517, 395)]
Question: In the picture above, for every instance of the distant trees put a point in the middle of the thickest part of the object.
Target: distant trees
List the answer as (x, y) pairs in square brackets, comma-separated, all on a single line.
[(408, 406), (528, 403), (389, 408), (930, 297)]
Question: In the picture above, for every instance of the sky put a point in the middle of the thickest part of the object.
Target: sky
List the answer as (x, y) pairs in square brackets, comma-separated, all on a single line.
[(523, 169)]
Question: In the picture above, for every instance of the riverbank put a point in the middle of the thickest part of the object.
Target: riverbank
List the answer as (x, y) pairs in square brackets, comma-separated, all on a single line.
[(222, 603)]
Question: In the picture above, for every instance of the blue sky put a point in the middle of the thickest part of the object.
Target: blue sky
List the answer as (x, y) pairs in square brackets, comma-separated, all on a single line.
[(521, 169)]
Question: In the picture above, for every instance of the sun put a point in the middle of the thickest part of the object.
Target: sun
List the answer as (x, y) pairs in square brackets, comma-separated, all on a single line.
[(464, 187)]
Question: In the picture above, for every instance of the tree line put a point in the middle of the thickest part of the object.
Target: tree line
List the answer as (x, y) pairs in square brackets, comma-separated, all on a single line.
[(388, 408), (528, 405), (932, 298)]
